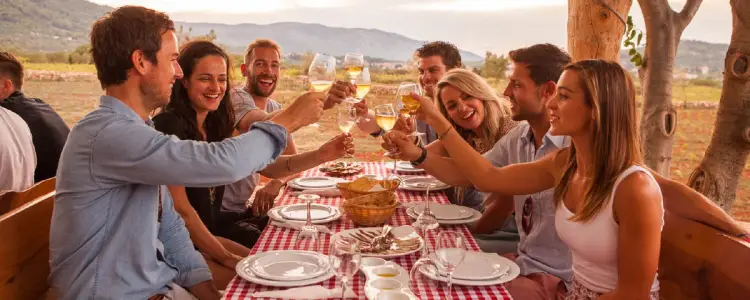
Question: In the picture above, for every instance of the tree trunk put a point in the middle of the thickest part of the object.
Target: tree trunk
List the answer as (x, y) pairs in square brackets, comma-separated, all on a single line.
[(596, 27), (718, 175), (663, 30)]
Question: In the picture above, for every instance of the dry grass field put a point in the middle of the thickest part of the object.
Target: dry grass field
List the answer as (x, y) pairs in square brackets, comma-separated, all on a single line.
[(73, 99)]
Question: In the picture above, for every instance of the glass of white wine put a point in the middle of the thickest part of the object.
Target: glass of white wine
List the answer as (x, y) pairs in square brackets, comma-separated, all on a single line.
[(346, 118), (354, 65), (321, 74), (410, 104)]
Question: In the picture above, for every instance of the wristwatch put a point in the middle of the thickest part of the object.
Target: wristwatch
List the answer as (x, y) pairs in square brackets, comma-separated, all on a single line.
[(421, 158)]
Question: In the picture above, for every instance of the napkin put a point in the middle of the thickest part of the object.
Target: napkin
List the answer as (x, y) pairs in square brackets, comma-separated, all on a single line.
[(298, 226), (307, 292)]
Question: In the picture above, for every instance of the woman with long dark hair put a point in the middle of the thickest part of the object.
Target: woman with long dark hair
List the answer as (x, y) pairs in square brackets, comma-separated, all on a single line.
[(200, 109)]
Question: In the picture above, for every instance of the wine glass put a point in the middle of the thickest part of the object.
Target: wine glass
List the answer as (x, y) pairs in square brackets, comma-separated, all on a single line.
[(385, 117), (410, 104), (322, 74), (353, 64), (346, 118), (306, 239), (344, 257), (450, 252), (363, 83), (425, 222)]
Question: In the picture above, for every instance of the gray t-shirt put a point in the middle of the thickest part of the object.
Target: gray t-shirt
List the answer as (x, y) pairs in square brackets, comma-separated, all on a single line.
[(236, 195), (541, 250)]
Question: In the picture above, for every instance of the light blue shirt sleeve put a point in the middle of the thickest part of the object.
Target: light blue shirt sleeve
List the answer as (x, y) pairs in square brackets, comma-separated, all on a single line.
[(499, 154), (126, 151), (178, 248)]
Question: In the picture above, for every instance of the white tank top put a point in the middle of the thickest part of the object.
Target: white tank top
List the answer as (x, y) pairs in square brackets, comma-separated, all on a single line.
[(594, 245)]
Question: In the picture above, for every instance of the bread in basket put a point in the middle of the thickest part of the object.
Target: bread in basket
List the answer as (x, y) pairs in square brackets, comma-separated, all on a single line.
[(365, 186), (371, 209)]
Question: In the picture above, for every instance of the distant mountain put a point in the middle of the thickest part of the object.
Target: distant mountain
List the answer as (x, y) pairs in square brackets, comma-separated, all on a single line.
[(62, 25), (692, 56)]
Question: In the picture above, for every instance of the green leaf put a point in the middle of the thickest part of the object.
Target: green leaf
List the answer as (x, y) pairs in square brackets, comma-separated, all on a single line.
[(630, 21), (633, 59), (632, 52), (628, 43), (640, 36), (632, 35)]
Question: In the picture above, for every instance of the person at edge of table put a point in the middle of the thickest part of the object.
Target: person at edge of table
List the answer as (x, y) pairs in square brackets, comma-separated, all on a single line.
[(114, 231), (434, 59), (17, 156), (524, 83), (252, 103), (200, 110), (48, 130)]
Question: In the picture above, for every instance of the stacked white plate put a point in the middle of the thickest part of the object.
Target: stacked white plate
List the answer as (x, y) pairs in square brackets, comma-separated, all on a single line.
[(420, 184), (313, 183), (404, 167), (477, 269), (447, 214), (319, 213), (285, 268)]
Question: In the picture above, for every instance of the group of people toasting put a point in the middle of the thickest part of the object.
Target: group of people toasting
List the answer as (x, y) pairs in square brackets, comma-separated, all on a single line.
[(156, 208)]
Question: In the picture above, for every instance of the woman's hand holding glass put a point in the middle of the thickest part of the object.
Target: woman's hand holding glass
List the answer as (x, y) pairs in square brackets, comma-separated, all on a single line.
[(404, 144)]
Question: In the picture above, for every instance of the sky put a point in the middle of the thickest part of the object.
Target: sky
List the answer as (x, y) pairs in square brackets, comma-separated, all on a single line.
[(474, 25)]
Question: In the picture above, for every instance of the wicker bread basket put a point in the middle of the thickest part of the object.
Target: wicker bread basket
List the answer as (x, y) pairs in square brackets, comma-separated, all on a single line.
[(349, 191), (371, 209)]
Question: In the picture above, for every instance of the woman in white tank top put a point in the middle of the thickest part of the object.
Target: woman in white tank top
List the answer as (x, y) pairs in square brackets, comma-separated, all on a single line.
[(609, 209)]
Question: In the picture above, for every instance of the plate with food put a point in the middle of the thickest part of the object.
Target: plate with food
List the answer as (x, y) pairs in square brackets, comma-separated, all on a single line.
[(386, 241), (342, 168)]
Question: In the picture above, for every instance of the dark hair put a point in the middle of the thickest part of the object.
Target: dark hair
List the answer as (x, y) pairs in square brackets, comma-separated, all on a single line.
[(544, 61), (118, 34), (11, 67), (219, 124), (447, 51)]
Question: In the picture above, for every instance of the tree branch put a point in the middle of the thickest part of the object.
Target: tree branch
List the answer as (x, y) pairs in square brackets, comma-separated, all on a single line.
[(686, 15)]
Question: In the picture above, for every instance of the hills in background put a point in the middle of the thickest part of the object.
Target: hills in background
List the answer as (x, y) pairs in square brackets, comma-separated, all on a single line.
[(62, 25)]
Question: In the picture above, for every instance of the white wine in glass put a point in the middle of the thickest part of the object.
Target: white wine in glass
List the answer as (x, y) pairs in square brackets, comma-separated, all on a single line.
[(363, 83), (385, 117), (321, 74), (411, 104), (354, 63)]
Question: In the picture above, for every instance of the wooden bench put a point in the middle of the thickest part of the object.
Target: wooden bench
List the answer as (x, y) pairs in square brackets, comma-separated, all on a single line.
[(24, 249), (13, 200), (698, 262)]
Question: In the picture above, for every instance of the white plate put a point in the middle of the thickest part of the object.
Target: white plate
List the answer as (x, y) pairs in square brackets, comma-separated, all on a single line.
[(243, 270), (400, 232), (418, 184), (480, 266), (446, 211), (404, 167), (513, 272), (477, 215), (298, 212), (274, 215), (289, 265), (318, 182)]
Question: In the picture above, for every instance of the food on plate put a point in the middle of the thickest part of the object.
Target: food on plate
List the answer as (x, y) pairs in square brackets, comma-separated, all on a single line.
[(371, 243), (341, 168)]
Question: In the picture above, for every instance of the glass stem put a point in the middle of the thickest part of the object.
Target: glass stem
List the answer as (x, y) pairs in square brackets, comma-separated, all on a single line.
[(450, 285), (309, 218)]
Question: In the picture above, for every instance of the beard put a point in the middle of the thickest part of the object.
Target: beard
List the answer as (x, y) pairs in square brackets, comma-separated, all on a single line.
[(153, 97), (258, 90)]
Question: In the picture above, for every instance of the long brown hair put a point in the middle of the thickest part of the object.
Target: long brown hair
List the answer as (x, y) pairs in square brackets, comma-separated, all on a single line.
[(219, 124), (609, 91)]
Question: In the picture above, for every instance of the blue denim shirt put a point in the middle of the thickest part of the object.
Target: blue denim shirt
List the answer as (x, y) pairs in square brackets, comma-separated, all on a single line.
[(105, 240)]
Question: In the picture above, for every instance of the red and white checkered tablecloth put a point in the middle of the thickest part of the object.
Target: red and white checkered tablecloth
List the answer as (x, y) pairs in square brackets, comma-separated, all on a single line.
[(277, 238)]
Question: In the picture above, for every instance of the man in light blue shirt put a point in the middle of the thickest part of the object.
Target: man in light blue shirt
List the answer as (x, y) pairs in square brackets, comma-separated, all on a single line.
[(114, 232)]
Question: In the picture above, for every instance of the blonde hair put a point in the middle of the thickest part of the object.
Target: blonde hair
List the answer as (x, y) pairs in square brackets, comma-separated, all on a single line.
[(497, 112), (609, 91), (261, 43)]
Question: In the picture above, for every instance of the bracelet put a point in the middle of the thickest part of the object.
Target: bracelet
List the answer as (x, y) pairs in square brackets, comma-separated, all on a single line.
[(440, 137), (421, 158)]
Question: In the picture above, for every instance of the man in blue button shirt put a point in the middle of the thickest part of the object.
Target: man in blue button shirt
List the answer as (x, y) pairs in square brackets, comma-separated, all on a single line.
[(115, 233)]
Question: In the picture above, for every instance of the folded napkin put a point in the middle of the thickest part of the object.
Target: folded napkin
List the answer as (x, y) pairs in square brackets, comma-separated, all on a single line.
[(296, 225), (334, 192), (307, 292)]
